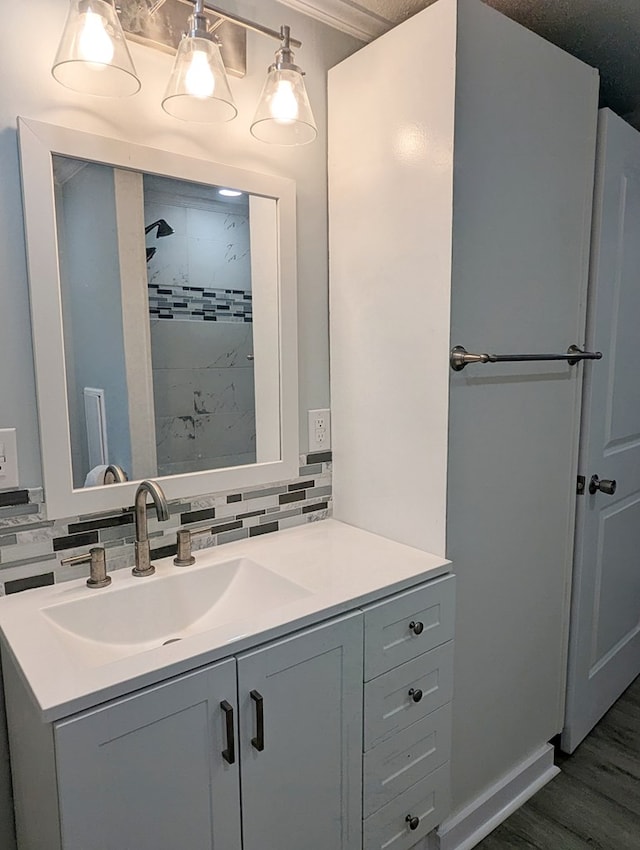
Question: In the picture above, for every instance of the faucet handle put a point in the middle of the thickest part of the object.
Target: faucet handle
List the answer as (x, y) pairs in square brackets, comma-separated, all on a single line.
[(98, 572), (184, 558)]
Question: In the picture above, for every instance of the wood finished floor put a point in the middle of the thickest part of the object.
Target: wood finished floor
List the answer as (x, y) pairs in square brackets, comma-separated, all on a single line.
[(594, 804)]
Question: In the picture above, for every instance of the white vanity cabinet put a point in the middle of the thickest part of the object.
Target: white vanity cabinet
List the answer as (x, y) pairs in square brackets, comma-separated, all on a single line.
[(159, 770), (336, 736)]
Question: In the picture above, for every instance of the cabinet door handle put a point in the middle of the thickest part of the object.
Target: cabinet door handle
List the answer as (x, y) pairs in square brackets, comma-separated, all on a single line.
[(229, 755), (258, 741), (416, 627), (413, 822), (415, 694)]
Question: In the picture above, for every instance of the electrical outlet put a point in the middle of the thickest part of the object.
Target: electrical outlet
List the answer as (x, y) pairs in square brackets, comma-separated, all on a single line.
[(8, 458), (319, 430)]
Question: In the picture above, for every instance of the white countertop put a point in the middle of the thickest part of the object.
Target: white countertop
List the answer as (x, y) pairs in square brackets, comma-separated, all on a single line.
[(341, 567)]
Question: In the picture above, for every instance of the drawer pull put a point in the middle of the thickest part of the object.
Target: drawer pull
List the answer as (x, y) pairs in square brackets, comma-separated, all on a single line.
[(415, 694), (229, 755), (413, 822), (416, 628), (258, 741)]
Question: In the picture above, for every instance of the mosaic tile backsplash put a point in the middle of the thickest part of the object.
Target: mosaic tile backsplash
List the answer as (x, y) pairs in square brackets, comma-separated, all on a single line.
[(197, 304), (31, 546)]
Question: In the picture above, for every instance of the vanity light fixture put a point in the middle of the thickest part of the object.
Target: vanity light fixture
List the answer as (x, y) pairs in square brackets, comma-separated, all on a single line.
[(229, 193), (284, 115), (198, 88), (93, 58)]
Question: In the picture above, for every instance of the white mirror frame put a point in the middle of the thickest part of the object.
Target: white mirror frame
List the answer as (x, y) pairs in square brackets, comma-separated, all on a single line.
[(38, 143)]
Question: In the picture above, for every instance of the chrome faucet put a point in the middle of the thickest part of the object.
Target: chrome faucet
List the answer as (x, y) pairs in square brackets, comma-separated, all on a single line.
[(143, 566)]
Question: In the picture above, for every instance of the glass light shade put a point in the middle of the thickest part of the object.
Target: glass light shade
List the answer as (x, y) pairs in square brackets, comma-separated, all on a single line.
[(198, 88), (93, 56), (284, 115)]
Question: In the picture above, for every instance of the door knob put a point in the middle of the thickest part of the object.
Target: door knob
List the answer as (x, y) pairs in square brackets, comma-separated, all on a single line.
[(605, 486)]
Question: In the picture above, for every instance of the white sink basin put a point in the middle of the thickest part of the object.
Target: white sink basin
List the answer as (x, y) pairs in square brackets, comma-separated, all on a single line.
[(150, 612)]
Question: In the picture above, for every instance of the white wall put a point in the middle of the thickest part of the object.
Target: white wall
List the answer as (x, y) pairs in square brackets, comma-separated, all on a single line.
[(391, 191), (34, 93)]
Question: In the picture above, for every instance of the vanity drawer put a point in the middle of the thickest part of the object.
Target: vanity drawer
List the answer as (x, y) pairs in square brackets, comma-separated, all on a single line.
[(427, 800), (403, 759), (388, 705), (390, 640)]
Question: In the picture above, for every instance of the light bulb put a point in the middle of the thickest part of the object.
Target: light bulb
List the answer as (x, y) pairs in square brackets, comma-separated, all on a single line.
[(284, 104), (95, 44), (199, 79)]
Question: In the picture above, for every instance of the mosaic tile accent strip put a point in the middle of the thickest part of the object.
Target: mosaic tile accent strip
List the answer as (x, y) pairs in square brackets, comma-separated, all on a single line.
[(31, 546), (14, 497), (20, 584), (197, 304)]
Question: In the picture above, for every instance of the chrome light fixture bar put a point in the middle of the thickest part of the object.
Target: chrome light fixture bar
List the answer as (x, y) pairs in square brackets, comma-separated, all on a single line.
[(247, 24), (93, 58)]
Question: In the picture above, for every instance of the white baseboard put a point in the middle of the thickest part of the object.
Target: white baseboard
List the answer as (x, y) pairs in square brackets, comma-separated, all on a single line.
[(467, 828)]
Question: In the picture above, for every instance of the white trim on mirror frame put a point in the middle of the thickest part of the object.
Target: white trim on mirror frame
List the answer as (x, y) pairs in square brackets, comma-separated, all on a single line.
[(38, 142)]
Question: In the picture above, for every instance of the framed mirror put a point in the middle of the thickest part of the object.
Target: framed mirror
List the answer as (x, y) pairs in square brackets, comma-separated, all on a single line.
[(164, 320)]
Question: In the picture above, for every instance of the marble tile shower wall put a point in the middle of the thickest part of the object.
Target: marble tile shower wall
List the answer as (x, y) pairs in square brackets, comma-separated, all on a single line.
[(202, 271), (32, 546), (203, 389)]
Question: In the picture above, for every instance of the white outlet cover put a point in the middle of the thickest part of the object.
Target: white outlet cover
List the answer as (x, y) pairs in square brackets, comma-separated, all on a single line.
[(319, 430)]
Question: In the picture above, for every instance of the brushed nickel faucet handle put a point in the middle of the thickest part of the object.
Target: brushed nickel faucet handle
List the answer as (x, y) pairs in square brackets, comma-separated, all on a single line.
[(98, 571), (183, 557)]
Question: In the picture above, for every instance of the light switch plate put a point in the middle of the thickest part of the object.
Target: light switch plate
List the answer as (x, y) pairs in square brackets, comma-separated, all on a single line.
[(8, 459), (319, 430)]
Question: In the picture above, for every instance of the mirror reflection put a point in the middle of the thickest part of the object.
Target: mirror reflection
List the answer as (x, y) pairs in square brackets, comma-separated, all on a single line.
[(157, 282)]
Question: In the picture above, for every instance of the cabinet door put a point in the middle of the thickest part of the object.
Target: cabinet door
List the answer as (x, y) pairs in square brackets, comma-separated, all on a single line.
[(303, 789), (147, 772)]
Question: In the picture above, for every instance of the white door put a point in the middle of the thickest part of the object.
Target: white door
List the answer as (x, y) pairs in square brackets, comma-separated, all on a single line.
[(604, 654), (300, 702)]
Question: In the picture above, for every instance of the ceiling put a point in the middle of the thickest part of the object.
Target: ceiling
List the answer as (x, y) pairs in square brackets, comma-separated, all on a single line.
[(603, 33)]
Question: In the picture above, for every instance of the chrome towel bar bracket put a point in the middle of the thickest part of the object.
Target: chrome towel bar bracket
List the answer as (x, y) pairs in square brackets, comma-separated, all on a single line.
[(460, 357)]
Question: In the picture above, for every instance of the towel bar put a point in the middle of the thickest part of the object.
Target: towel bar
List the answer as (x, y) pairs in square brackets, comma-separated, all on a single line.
[(460, 357)]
